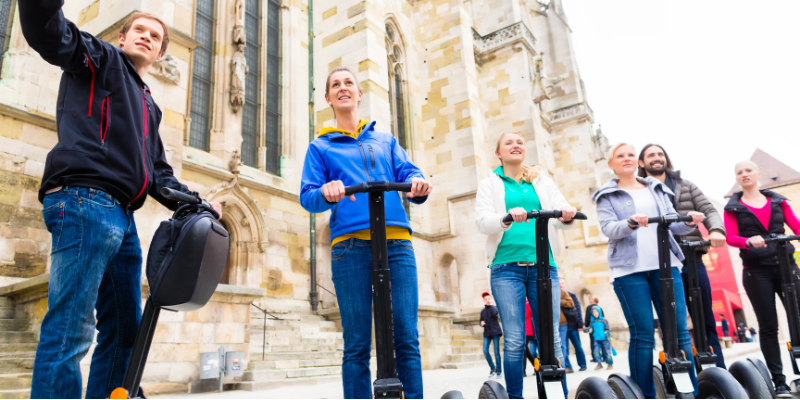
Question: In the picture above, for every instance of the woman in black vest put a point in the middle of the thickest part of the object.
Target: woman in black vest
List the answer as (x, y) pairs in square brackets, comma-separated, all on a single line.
[(750, 216)]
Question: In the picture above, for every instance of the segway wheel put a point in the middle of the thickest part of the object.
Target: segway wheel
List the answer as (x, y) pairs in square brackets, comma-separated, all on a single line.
[(594, 388), (492, 390), (661, 386), (762, 369), (750, 378), (716, 383), (453, 394), (624, 387)]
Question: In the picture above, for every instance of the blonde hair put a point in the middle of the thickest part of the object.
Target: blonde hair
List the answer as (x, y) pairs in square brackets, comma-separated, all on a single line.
[(746, 162), (528, 173), (616, 147), (328, 83)]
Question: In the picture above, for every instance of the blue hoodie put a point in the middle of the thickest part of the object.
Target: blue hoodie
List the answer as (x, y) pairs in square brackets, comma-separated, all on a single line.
[(599, 326), (374, 156)]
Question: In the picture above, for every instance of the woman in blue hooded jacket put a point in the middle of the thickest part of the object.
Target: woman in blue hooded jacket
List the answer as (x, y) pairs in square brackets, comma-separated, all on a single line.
[(350, 154), (633, 258)]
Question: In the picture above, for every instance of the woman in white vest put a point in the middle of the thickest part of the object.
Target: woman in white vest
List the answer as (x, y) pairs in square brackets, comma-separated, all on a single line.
[(515, 188)]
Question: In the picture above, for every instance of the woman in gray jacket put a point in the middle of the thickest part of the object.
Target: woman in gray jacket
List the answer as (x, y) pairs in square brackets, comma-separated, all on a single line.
[(633, 258)]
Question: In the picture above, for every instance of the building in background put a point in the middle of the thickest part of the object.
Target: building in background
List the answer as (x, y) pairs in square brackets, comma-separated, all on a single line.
[(446, 77)]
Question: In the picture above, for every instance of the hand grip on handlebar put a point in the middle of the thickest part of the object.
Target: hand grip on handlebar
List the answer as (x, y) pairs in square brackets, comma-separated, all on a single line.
[(698, 243), (380, 186), (779, 238), (545, 214), (180, 197)]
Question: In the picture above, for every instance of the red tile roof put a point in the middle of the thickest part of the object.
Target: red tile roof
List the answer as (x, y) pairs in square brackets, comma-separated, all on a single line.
[(773, 172)]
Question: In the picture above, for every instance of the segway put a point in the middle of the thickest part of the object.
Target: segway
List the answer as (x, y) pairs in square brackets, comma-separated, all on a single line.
[(786, 267), (387, 385), (672, 374), (184, 265), (744, 372)]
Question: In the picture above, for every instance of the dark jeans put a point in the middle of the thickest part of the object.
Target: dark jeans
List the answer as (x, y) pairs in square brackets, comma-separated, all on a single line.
[(602, 351), (708, 313), (591, 344), (96, 266), (761, 284), (496, 340), (638, 293), (351, 267), (572, 337), (511, 285)]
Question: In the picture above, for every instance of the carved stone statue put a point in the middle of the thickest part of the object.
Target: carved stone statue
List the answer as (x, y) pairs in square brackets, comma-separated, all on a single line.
[(543, 85), (239, 69), (601, 145), (238, 26), (167, 68), (236, 161)]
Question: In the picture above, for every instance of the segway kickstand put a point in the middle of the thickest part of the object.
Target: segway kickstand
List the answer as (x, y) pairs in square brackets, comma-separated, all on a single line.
[(703, 356)]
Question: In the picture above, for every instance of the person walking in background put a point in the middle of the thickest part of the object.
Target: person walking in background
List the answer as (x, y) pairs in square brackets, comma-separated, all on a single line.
[(753, 334), (687, 197), (574, 325), (747, 336), (725, 329), (513, 189), (491, 334), (531, 345), (624, 205), (566, 305), (593, 303), (740, 333), (601, 330), (751, 215)]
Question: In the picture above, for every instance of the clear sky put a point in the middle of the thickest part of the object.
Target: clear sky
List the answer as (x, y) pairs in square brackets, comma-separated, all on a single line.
[(709, 80)]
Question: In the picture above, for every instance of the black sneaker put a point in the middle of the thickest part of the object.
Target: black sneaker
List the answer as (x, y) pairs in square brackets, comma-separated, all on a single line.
[(582, 369), (782, 391)]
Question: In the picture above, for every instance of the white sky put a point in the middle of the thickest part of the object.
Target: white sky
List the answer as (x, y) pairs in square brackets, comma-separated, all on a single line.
[(708, 80)]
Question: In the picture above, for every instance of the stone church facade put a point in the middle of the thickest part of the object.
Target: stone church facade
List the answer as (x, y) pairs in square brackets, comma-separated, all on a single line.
[(446, 77)]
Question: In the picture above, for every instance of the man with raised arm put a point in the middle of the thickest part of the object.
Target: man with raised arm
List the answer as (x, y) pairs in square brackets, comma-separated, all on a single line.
[(108, 159)]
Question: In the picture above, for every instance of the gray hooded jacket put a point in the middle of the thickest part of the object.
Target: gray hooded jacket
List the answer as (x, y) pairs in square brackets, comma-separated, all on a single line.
[(615, 206)]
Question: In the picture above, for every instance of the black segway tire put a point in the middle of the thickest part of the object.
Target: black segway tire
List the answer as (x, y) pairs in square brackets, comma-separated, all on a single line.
[(762, 369), (624, 387), (594, 388), (750, 378), (661, 387), (492, 390), (717, 383), (453, 394)]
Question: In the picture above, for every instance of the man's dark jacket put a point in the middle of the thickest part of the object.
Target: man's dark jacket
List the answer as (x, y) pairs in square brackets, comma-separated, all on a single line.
[(491, 316), (574, 319), (588, 318), (107, 120)]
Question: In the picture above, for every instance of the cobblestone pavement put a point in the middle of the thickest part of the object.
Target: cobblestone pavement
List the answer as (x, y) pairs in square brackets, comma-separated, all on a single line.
[(468, 381)]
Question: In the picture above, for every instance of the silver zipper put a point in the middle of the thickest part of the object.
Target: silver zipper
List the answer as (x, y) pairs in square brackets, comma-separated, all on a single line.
[(364, 157)]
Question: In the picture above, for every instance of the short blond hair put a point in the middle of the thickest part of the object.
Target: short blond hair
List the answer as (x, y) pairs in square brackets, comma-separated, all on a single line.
[(136, 15), (746, 162), (528, 173), (616, 147)]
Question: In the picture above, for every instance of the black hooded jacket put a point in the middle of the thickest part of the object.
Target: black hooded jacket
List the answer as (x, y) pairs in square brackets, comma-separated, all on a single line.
[(491, 316), (107, 120), (750, 226)]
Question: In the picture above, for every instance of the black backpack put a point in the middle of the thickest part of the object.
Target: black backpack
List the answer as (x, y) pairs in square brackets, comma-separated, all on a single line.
[(186, 259)]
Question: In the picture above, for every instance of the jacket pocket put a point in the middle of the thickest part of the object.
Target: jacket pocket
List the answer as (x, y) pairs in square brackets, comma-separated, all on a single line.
[(372, 157), (612, 250), (333, 215)]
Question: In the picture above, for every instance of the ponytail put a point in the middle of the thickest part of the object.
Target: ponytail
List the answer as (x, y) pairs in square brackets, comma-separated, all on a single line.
[(529, 173)]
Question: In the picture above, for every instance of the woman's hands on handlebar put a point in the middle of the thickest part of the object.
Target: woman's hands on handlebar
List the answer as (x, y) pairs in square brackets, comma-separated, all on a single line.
[(756, 242), (333, 192), (519, 214), (640, 219), (419, 188), (567, 214), (697, 217)]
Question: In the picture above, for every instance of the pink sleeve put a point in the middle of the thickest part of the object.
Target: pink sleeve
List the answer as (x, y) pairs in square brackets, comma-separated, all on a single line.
[(790, 218), (732, 229)]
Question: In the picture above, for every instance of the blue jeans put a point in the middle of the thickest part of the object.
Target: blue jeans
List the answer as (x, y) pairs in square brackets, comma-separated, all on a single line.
[(96, 265), (602, 347), (708, 312), (351, 267), (511, 284), (496, 339), (572, 336), (636, 292)]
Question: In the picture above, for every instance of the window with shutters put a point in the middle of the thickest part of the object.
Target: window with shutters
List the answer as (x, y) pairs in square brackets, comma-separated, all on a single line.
[(251, 107), (200, 130), (272, 114)]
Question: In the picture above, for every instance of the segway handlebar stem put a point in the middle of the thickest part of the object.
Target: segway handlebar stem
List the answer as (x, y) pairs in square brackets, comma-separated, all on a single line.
[(180, 197), (545, 214)]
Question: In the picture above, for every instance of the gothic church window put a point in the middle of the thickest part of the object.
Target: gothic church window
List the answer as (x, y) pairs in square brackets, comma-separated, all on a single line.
[(6, 18), (394, 53), (273, 99), (251, 105), (199, 133)]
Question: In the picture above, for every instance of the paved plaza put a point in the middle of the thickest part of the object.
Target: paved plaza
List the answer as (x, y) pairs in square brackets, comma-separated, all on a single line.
[(469, 381)]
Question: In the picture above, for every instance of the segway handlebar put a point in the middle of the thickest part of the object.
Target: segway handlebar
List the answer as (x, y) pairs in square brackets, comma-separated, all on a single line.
[(544, 214), (778, 239), (180, 197), (380, 186), (664, 219), (698, 243)]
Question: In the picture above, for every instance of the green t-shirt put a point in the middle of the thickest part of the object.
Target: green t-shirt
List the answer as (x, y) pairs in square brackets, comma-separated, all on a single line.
[(519, 242)]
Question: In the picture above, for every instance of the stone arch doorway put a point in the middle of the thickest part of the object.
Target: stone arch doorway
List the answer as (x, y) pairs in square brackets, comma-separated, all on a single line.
[(446, 281), (245, 223)]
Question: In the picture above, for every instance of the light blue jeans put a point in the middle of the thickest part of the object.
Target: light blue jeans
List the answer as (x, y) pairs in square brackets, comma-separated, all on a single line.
[(96, 265), (511, 284)]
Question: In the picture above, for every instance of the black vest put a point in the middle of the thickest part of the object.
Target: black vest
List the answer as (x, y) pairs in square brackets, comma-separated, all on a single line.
[(749, 226)]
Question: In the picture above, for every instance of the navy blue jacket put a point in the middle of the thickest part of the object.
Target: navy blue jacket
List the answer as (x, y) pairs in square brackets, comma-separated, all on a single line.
[(491, 315), (107, 120)]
